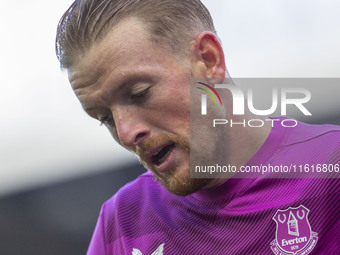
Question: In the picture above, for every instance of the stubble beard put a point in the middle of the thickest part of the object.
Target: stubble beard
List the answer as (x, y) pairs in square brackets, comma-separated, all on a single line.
[(175, 181)]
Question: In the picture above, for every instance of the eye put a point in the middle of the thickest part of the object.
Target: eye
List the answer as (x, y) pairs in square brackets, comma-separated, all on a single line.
[(141, 94), (106, 120)]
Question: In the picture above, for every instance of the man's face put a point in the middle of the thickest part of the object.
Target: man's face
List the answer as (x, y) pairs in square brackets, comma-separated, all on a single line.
[(141, 92)]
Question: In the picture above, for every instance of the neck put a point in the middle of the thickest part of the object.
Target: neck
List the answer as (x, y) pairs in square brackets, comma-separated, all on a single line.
[(242, 142)]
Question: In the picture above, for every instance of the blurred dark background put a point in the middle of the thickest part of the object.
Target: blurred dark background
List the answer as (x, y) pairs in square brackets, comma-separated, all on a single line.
[(60, 218)]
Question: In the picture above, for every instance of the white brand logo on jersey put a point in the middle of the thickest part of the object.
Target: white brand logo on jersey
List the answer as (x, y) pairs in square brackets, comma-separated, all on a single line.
[(158, 251)]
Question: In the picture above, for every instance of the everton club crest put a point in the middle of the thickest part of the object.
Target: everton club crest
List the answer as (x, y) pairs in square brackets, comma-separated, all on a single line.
[(293, 232)]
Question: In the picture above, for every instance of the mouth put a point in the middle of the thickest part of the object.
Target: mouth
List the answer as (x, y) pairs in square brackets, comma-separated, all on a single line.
[(162, 154)]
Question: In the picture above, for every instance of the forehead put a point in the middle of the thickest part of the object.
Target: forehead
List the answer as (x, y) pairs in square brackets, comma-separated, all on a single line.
[(127, 44)]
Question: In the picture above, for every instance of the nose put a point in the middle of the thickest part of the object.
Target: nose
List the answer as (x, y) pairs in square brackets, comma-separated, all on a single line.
[(131, 127)]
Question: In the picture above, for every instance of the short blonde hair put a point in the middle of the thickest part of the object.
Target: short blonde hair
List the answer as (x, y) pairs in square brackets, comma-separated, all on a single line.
[(174, 22)]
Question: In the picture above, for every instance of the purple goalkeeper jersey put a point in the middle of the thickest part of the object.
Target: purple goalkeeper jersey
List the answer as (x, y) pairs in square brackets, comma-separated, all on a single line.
[(241, 216)]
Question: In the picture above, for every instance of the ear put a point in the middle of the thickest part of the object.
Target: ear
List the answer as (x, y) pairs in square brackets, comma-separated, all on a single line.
[(208, 57)]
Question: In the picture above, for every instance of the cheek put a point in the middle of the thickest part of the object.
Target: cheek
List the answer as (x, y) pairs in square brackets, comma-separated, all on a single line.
[(172, 103), (114, 135), (172, 112), (177, 119)]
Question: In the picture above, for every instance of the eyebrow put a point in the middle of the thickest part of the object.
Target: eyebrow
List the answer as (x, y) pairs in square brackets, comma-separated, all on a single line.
[(89, 109), (128, 79), (90, 81), (78, 91)]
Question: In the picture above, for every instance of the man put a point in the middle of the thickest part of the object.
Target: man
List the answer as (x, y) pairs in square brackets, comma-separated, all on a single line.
[(127, 61)]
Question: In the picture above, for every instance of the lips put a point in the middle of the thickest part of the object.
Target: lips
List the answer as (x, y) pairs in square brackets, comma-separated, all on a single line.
[(161, 154)]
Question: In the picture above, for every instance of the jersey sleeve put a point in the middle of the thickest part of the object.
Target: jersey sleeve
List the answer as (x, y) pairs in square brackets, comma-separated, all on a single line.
[(97, 246)]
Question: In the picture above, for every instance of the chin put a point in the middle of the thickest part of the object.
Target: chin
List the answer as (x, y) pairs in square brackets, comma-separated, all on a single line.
[(181, 185)]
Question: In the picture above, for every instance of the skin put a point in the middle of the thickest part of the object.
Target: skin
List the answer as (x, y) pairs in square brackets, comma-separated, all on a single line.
[(141, 92)]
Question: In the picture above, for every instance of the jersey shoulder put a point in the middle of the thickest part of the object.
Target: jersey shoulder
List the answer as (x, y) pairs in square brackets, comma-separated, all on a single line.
[(133, 194), (305, 133), (129, 212)]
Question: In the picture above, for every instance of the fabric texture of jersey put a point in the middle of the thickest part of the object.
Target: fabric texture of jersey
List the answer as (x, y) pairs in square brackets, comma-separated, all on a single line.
[(235, 217)]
